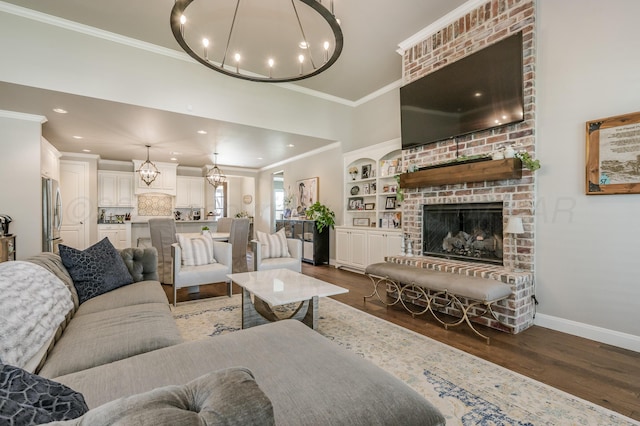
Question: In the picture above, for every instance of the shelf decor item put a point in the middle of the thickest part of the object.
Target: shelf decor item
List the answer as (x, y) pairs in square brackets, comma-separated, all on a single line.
[(391, 203), (361, 221), (353, 171)]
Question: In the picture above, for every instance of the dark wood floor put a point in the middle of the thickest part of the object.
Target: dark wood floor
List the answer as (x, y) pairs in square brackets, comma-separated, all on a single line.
[(605, 375)]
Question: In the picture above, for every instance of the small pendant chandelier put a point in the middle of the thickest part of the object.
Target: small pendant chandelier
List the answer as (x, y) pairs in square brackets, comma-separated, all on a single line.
[(148, 171), (214, 175)]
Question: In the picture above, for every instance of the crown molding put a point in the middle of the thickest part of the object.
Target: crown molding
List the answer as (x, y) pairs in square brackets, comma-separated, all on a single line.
[(439, 24), (301, 156), (22, 116)]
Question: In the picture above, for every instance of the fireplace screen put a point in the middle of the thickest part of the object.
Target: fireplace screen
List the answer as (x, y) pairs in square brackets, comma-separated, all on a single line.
[(463, 231)]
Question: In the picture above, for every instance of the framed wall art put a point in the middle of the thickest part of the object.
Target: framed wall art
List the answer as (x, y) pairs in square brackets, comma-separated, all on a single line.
[(307, 192), (613, 155)]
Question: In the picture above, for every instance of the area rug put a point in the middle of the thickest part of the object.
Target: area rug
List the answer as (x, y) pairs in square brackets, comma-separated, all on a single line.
[(466, 389)]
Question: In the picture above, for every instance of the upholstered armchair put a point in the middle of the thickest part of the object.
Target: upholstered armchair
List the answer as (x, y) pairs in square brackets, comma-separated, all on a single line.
[(293, 262), (189, 276)]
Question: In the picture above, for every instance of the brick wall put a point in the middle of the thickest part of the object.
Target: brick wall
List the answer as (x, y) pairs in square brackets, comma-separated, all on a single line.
[(485, 25)]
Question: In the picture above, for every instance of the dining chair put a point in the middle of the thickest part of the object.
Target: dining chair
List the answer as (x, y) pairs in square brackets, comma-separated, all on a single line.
[(163, 234), (224, 224), (238, 237)]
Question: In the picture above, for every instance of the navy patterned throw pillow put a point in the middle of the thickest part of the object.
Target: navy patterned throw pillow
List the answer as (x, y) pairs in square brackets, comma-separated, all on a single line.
[(28, 399), (96, 270)]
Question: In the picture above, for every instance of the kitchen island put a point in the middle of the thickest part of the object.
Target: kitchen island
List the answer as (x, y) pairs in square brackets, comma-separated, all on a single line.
[(140, 229)]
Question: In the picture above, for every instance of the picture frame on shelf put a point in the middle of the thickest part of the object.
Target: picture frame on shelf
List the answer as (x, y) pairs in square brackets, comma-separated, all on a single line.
[(391, 220), (356, 203), (613, 155), (366, 171), (373, 187), (366, 189), (361, 221), (370, 206), (390, 204), (397, 220)]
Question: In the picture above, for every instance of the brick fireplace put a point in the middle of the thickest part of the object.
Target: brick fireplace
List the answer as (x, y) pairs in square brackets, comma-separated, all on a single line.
[(484, 25)]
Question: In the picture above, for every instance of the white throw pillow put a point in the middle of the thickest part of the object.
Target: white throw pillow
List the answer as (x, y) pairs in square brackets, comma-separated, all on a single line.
[(274, 245), (197, 249)]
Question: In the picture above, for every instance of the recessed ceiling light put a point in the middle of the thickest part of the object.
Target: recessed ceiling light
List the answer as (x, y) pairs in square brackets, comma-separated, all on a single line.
[(173, 159), (175, 153), (477, 94), (202, 132), (60, 110), (86, 150), (303, 45), (291, 145), (260, 158), (78, 137)]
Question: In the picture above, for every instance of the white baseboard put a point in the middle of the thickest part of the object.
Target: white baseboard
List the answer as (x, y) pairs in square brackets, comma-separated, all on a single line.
[(603, 335)]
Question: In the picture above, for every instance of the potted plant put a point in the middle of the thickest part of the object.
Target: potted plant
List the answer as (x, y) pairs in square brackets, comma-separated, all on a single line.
[(205, 229), (324, 216)]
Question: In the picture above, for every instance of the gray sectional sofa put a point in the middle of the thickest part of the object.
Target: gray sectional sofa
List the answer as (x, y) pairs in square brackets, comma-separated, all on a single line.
[(123, 352)]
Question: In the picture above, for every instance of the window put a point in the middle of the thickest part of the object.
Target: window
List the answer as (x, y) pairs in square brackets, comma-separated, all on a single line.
[(220, 200)]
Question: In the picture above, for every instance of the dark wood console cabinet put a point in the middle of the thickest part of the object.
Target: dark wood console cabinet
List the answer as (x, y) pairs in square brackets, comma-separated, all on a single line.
[(315, 245)]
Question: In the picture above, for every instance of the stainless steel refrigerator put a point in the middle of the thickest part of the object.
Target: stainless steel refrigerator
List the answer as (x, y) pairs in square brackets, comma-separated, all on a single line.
[(51, 215)]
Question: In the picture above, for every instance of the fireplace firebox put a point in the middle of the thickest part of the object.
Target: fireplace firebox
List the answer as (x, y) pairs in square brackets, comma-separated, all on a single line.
[(470, 231)]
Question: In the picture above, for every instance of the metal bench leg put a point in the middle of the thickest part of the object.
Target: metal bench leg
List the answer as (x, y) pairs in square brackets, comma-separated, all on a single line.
[(376, 281)]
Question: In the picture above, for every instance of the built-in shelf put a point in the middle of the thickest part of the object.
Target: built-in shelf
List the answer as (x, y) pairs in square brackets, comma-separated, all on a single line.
[(480, 171)]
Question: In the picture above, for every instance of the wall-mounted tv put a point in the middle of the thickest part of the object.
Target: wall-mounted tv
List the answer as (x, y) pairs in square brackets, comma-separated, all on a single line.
[(479, 92)]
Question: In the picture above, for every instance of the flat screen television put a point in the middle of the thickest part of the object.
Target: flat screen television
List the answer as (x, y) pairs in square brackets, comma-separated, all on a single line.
[(478, 92)]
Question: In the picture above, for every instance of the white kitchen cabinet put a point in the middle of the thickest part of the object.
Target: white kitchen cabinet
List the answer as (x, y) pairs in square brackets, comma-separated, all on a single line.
[(49, 160), (118, 234), (382, 244), (165, 182), (115, 189), (189, 192), (351, 248)]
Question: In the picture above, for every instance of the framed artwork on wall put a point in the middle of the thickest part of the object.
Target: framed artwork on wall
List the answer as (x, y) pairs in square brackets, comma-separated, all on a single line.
[(613, 155), (307, 192)]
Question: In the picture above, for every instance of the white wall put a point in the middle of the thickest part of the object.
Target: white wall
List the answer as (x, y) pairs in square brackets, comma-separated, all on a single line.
[(326, 165), (587, 253), (21, 186)]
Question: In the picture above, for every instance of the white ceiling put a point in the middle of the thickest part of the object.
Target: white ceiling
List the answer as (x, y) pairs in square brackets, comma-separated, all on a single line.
[(369, 62)]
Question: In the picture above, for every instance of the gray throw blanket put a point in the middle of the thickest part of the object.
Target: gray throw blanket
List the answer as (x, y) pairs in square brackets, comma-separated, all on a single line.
[(34, 303)]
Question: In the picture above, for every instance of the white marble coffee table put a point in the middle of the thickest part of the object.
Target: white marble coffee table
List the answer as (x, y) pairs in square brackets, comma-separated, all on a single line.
[(279, 287)]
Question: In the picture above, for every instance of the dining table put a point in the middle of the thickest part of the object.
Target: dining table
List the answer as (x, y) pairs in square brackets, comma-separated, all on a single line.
[(220, 236)]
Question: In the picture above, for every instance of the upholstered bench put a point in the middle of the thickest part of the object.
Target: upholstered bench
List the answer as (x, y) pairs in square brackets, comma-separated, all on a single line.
[(438, 290)]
